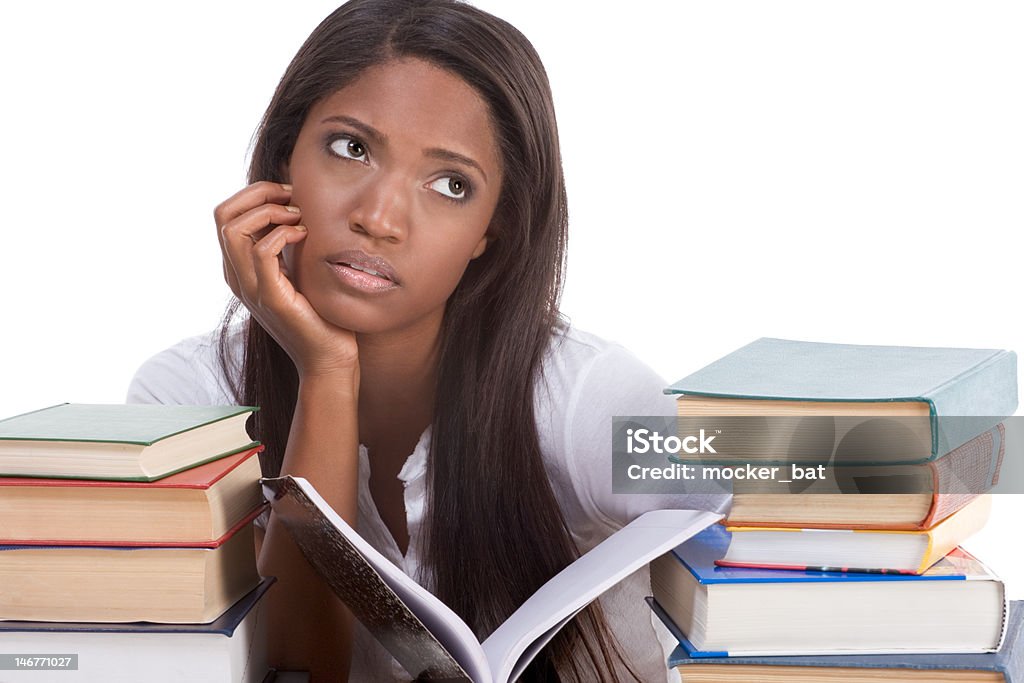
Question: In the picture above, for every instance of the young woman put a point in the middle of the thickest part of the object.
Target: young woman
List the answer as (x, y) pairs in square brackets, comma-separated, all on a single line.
[(400, 254)]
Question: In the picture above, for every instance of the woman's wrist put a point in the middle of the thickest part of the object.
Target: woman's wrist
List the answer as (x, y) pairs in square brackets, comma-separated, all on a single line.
[(323, 443), (339, 382)]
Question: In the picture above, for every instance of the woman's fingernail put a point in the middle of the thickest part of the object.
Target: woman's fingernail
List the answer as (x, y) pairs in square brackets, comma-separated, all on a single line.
[(286, 186), (293, 209), (301, 227)]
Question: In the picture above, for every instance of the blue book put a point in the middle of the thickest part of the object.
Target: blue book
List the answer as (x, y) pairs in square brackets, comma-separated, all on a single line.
[(961, 392), (1006, 665), (231, 648), (957, 606)]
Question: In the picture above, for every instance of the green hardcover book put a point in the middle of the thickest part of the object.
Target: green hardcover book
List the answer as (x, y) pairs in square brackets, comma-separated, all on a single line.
[(119, 442), (812, 400)]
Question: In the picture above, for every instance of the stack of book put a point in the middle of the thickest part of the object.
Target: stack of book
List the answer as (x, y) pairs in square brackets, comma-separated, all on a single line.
[(126, 538), (803, 586)]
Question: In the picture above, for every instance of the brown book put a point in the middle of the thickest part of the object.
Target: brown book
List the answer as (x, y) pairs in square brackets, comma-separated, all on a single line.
[(172, 585), (945, 486)]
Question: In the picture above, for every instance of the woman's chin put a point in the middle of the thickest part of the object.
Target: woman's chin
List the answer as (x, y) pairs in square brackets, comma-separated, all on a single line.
[(364, 318), (368, 322)]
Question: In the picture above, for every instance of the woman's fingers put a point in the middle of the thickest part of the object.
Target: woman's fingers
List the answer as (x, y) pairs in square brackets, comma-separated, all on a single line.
[(273, 289), (250, 197), (243, 201), (240, 235), (282, 311)]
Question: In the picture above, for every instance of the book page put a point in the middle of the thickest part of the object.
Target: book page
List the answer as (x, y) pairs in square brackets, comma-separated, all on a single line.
[(421, 632), (632, 547)]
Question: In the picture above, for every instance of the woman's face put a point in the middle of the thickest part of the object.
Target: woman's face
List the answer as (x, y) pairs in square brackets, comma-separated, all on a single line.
[(397, 173)]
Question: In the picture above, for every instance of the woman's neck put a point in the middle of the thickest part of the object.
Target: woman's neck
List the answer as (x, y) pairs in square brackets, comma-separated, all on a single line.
[(397, 378)]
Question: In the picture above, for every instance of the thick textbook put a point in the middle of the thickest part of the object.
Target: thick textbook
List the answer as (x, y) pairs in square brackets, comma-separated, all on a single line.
[(1004, 666), (128, 442), (958, 605), (429, 640), (935, 490), (190, 508), (231, 648), (870, 550), (163, 584), (786, 377)]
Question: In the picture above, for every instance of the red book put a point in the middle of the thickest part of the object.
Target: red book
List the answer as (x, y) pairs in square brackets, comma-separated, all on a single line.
[(195, 507)]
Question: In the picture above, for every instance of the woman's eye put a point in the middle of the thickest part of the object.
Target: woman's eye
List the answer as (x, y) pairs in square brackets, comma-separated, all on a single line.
[(348, 148), (451, 186)]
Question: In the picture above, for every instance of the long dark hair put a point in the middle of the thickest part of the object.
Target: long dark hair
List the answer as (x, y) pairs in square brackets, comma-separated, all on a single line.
[(495, 532)]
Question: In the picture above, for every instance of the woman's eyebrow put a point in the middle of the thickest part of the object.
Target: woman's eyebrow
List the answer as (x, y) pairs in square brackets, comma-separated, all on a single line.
[(448, 155), (378, 137), (369, 131)]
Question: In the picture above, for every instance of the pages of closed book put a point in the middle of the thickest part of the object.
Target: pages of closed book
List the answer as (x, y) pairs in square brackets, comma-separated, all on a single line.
[(539, 618)]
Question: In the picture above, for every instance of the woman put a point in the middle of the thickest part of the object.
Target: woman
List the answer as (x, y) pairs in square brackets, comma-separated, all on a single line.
[(400, 252)]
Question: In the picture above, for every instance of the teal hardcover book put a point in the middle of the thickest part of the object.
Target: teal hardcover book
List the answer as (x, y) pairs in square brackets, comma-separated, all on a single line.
[(965, 391)]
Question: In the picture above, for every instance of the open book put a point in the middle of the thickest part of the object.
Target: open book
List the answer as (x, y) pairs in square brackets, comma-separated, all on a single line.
[(420, 631)]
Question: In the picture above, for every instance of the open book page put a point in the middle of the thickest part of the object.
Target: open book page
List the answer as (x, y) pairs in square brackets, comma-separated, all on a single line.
[(539, 618), (426, 637)]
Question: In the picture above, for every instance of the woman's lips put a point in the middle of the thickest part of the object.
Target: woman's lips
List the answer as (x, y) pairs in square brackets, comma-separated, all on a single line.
[(362, 271)]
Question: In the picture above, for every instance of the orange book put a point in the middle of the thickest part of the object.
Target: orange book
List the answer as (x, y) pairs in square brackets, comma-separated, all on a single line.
[(853, 550), (195, 507)]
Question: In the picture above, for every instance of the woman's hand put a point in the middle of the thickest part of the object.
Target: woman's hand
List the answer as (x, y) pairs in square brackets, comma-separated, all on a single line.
[(253, 227)]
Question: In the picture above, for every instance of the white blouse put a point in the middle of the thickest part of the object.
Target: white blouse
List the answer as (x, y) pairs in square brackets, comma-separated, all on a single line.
[(585, 382)]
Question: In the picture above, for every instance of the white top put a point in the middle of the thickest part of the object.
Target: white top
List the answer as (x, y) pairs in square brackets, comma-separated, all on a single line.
[(585, 382)]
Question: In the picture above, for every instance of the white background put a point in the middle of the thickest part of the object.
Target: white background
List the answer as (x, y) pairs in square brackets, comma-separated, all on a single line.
[(831, 171)]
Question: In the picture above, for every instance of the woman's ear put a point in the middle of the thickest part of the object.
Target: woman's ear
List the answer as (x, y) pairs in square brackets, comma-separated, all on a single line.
[(490, 235), (480, 247)]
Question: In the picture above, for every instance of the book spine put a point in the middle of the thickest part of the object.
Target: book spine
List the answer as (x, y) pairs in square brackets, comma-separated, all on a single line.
[(988, 390), (1013, 660), (953, 531), (965, 473), (13, 417)]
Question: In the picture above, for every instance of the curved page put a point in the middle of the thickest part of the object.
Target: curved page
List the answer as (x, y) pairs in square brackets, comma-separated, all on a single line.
[(421, 632), (648, 536)]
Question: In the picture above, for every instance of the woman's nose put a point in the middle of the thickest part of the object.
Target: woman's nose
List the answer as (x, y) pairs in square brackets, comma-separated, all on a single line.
[(381, 210)]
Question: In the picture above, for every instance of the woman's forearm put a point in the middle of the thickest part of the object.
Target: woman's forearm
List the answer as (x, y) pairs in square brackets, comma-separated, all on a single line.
[(308, 627)]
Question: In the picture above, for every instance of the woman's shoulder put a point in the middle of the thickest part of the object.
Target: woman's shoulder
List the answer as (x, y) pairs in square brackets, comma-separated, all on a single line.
[(190, 371), (580, 361), (588, 381)]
